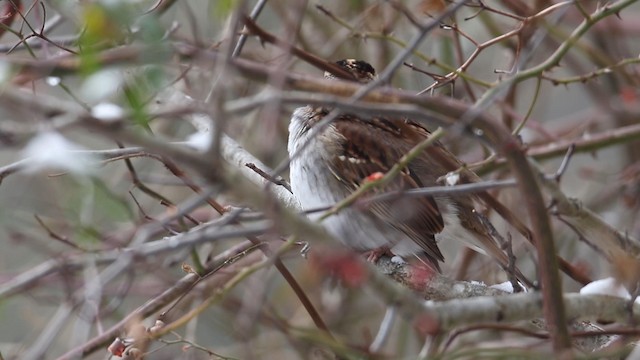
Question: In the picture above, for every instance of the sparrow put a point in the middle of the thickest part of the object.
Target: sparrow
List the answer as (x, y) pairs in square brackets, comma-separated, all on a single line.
[(340, 158)]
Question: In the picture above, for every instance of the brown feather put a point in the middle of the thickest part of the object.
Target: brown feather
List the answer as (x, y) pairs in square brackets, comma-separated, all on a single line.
[(418, 218)]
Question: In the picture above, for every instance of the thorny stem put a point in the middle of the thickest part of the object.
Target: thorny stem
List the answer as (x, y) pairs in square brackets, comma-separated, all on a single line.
[(554, 59)]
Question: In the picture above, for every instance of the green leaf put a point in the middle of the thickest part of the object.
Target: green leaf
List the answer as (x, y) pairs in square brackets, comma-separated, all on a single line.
[(223, 8)]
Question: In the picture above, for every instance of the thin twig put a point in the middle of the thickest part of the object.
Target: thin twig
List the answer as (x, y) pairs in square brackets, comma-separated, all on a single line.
[(56, 236), (275, 180)]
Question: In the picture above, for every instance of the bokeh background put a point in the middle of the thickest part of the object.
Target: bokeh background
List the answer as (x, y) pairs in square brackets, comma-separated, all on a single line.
[(68, 202)]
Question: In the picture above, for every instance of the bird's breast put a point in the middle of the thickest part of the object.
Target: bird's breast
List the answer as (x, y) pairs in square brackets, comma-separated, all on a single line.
[(311, 152)]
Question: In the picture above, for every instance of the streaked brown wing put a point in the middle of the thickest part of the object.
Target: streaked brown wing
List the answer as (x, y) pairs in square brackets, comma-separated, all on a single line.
[(419, 218)]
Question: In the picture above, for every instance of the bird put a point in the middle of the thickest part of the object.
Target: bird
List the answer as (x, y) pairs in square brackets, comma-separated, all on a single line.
[(342, 156)]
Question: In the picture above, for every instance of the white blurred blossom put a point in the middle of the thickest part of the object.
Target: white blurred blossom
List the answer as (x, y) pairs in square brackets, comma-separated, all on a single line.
[(102, 85), (50, 150), (199, 140), (53, 80), (107, 112)]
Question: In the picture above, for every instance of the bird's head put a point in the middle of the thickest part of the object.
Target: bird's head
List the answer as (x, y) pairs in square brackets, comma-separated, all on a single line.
[(362, 71)]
